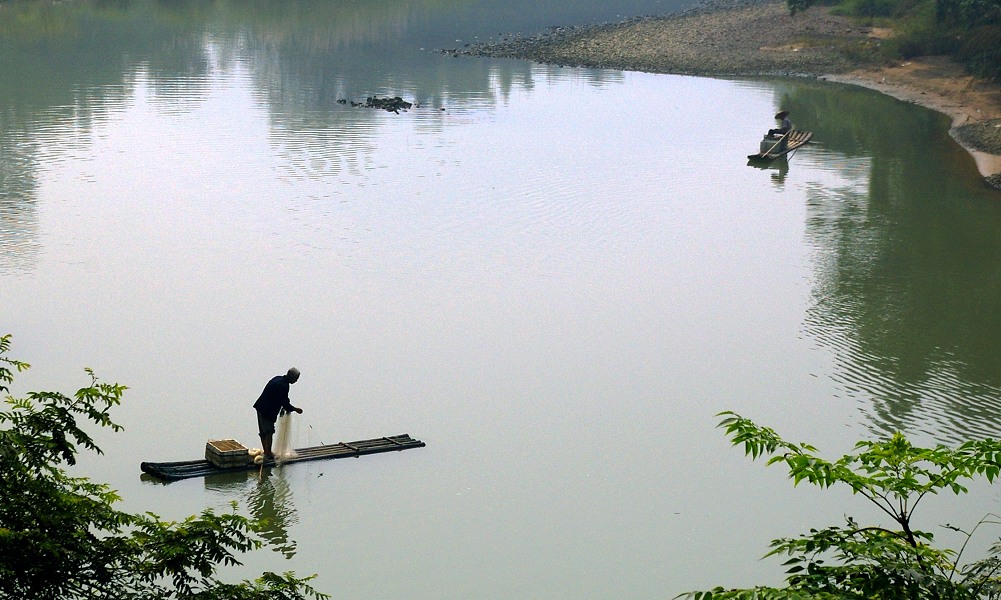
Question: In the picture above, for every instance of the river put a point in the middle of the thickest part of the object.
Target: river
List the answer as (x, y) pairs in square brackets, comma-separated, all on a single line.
[(554, 277)]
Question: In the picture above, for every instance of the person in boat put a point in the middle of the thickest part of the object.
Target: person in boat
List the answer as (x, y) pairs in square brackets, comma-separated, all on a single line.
[(274, 400), (781, 131)]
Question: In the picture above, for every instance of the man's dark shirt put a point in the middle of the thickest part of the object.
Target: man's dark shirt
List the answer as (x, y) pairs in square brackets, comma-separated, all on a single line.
[(274, 397)]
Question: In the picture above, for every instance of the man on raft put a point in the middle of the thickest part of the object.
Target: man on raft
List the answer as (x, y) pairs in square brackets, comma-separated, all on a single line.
[(273, 400)]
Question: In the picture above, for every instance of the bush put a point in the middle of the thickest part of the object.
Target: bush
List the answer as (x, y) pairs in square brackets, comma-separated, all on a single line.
[(869, 9), (796, 6), (980, 51), (968, 13), (879, 9), (62, 538), (920, 40), (859, 561)]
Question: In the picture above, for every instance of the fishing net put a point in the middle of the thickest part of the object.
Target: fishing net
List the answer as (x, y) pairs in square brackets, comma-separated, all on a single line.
[(286, 436)]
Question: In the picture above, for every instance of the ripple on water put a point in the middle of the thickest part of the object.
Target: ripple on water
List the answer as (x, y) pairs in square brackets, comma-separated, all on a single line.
[(935, 398)]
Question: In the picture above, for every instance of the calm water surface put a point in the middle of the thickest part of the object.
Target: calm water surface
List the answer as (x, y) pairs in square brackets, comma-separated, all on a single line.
[(554, 277)]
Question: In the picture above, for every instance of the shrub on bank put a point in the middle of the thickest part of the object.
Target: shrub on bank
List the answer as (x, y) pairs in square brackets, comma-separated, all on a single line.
[(980, 51), (919, 39), (62, 537), (968, 30), (891, 561), (869, 9)]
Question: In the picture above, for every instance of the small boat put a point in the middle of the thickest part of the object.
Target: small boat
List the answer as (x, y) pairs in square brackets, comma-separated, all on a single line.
[(769, 149), (173, 471)]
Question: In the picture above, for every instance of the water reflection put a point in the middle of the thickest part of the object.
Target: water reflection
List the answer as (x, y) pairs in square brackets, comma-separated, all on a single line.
[(777, 169), (476, 273), (904, 295), (19, 245), (68, 67), (269, 500)]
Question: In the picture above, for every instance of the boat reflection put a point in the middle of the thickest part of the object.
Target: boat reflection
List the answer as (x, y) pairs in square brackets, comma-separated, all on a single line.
[(779, 169)]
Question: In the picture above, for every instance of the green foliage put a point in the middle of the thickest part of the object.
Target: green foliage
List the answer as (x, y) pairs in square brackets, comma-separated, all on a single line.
[(6, 364), (919, 41), (980, 51), (869, 9), (879, 10), (968, 13), (916, 32), (796, 6), (758, 593), (62, 538), (855, 561), (944, 14), (966, 29)]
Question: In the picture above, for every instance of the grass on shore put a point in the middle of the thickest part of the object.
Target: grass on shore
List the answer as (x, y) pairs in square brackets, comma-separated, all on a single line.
[(968, 31), (866, 51)]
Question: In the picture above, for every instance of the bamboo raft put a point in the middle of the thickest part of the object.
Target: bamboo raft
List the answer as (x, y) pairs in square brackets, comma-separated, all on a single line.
[(173, 471), (770, 151)]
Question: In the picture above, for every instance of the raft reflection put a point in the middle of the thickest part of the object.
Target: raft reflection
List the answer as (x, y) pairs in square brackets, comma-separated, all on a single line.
[(269, 500)]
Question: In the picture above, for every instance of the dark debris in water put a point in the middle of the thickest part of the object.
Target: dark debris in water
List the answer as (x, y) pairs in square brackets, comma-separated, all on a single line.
[(393, 105)]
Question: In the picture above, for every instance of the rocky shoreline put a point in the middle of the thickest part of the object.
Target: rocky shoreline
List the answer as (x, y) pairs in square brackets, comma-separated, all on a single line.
[(716, 38), (740, 38)]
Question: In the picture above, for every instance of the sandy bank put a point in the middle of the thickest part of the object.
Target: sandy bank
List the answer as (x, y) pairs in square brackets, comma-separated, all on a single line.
[(974, 105), (759, 37)]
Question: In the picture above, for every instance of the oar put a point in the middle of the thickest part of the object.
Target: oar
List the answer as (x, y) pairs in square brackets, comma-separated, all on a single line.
[(775, 145)]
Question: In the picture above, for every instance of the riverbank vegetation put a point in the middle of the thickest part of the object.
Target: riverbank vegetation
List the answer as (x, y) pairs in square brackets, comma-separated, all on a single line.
[(865, 561), (61, 536), (968, 30)]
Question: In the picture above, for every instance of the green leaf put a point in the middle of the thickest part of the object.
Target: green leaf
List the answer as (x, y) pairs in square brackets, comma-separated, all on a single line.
[(68, 539), (871, 561)]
